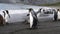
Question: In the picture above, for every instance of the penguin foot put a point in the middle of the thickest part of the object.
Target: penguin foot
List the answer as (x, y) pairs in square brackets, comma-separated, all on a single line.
[(33, 28)]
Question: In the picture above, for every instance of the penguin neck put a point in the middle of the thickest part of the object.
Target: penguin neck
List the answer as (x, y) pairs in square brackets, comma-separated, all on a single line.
[(30, 14)]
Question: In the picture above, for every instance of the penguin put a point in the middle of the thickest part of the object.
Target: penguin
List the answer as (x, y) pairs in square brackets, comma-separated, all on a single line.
[(39, 12), (32, 18), (55, 15), (6, 14), (58, 11), (1, 20)]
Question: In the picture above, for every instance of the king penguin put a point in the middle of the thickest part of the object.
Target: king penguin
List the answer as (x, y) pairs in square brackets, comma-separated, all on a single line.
[(33, 18), (6, 14)]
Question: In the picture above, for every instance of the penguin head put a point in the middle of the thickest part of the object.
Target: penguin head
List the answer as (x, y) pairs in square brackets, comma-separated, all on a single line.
[(40, 9), (7, 11), (30, 9), (3, 12), (57, 9)]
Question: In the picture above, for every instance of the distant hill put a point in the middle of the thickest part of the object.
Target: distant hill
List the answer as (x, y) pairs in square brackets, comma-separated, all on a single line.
[(53, 4), (32, 2)]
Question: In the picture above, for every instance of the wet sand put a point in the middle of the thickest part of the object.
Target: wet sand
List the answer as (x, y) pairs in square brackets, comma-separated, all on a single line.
[(44, 27)]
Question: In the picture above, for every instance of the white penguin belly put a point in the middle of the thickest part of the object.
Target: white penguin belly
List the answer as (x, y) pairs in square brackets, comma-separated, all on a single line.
[(31, 20), (6, 18)]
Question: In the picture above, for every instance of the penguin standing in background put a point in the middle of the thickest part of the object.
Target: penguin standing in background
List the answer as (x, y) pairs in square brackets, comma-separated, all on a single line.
[(6, 14), (39, 12), (1, 20), (33, 18), (55, 15)]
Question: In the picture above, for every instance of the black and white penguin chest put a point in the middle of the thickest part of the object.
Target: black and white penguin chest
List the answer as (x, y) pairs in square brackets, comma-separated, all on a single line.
[(31, 20)]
